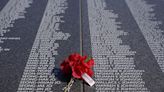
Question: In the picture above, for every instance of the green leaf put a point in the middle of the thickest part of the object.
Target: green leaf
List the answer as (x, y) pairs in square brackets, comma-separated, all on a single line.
[(88, 59)]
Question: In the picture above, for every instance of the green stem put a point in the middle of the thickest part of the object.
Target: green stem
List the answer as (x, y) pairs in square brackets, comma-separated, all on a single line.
[(68, 87)]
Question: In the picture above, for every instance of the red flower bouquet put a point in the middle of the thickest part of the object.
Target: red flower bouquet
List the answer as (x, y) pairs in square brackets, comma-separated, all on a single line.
[(78, 66)]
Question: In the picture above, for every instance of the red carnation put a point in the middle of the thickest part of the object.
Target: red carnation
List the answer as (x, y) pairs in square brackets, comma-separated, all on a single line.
[(78, 65), (65, 67)]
